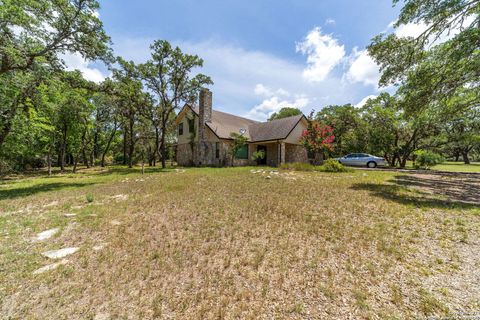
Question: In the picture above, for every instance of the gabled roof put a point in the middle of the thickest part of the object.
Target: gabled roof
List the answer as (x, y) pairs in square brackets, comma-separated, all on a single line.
[(275, 129), (223, 124)]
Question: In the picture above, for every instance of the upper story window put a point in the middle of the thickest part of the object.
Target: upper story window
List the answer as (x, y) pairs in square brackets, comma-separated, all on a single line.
[(180, 129), (191, 125)]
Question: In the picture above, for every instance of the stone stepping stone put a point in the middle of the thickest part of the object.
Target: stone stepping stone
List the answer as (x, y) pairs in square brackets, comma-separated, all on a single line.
[(70, 215), (60, 253), (47, 234), (98, 247), (50, 266)]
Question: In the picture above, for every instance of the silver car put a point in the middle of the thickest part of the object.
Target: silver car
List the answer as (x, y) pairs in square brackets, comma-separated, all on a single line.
[(361, 160)]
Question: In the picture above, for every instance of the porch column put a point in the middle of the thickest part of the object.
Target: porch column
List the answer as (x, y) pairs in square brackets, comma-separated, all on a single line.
[(282, 152)]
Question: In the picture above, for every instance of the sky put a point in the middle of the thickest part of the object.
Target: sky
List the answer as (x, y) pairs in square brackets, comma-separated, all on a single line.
[(262, 55)]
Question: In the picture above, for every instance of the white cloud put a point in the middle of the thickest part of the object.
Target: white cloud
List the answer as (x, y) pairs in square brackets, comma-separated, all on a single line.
[(364, 101), (330, 21), (410, 30), (273, 104), (363, 69), (323, 54), (262, 90), (253, 83), (74, 61)]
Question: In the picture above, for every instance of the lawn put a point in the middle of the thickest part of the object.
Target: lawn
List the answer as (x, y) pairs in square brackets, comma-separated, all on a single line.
[(239, 243), (458, 167)]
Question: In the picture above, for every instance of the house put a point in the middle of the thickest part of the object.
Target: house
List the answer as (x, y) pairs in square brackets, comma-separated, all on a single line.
[(204, 137)]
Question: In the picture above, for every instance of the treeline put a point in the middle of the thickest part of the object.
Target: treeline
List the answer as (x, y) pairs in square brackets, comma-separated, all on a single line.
[(382, 127), (50, 116), (436, 105)]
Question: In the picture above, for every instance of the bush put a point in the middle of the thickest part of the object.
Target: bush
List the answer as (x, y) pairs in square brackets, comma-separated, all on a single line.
[(332, 165), (426, 159), (329, 165)]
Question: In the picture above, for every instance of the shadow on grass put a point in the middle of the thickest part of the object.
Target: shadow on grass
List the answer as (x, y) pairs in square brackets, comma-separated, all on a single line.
[(432, 191), (38, 188), (127, 171)]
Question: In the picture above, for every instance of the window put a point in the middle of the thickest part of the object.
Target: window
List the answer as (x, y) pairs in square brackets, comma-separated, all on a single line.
[(191, 125), (180, 129), (242, 153), (217, 150)]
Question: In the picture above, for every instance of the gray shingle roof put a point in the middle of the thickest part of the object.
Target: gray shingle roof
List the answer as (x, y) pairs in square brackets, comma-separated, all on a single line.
[(273, 130), (223, 124)]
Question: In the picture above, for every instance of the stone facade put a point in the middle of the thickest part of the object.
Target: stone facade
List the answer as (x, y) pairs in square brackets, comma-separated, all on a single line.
[(295, 153)]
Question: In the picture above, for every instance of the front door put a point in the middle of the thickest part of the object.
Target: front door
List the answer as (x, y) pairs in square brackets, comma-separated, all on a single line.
[(264, 160)]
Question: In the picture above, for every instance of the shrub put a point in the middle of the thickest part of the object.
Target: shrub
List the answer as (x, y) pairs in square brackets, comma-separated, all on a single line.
[(426, 159), (332, 165), (329, 165), (89, 198), (258, 155)]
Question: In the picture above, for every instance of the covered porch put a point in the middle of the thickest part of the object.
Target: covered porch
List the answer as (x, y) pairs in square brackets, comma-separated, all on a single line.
[(278, 152)]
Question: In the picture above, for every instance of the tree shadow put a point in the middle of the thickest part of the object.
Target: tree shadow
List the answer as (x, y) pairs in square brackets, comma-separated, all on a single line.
[(433, 190), (38, 188), (128, 171)]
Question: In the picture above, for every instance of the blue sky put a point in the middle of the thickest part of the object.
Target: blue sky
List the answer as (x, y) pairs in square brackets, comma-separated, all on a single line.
[(262, 55)]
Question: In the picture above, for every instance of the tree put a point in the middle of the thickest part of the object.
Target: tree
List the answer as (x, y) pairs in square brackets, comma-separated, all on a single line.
[(238, 142), (463, 133), (36, 31), (32, 35), (396, 134), (167, 76), (347, 127), (440, 63), (131, 101), (285, 112), (317, 139)]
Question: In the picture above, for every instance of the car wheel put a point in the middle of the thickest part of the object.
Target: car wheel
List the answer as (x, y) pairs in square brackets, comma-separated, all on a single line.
[(372, 164)]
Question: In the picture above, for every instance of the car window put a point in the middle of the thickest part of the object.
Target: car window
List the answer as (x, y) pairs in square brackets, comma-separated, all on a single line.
[(350, 156), (364, 155)]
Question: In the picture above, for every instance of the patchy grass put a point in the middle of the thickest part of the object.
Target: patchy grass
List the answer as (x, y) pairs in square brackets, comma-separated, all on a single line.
[(458, 167), (239, 243)]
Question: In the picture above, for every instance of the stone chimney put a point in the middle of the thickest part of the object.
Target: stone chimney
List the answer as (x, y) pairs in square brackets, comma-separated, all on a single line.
[(204, 116), (204, 112)]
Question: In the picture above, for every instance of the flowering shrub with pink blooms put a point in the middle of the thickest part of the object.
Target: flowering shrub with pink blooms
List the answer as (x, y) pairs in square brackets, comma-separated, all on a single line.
[(318, 138)]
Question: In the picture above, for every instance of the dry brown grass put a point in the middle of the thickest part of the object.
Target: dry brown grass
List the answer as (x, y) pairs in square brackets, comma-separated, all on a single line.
[(231, 244)]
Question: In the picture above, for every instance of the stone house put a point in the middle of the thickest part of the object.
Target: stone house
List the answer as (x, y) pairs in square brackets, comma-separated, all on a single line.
[(204, 137)]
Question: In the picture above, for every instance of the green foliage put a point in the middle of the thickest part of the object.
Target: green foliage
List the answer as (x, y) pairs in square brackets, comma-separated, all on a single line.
[(426, 159), (258, 155), (347, 125), (430, 68), (239, 141), (332, 165), (285, 113), (168, 76), (89, 198)]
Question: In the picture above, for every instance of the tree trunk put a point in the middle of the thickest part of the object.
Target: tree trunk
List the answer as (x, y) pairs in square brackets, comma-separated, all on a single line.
[(109, 142), (49, 162), (457, 156), (63, 148), (124, 162), (318, 160), (163, 148), (131, 147), (157, 146), (466, 160)]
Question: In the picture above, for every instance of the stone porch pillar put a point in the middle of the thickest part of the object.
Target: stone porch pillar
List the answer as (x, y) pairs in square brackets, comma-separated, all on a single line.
[(282, 152)]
